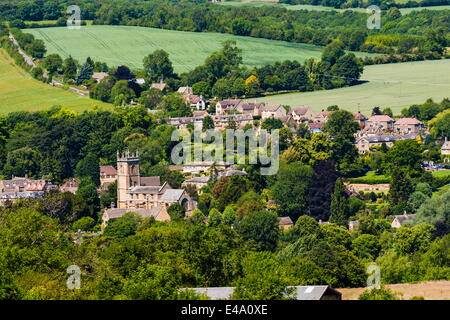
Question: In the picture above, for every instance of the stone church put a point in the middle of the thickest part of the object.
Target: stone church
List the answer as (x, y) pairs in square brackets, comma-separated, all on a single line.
[(147, 200)]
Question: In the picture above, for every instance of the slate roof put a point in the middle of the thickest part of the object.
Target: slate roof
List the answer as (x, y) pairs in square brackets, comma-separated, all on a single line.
[(302, 292), (388, 138), (197, 180), (171, 195), (314, 292), (404, 217), (145, 189)]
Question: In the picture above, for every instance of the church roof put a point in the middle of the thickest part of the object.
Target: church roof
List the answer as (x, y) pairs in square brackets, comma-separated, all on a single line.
[(171, 195), (151, 181), (145, 189)]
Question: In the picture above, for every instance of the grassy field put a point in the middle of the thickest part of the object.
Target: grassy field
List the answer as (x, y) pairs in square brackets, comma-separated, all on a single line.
[(127, 45), (317, 8), (429, 290), (20, 92), (388, 85)]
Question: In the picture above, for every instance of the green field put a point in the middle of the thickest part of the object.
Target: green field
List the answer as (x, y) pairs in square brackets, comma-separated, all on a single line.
[(389, 85), (317, 8), (125, 45), (20, 92)]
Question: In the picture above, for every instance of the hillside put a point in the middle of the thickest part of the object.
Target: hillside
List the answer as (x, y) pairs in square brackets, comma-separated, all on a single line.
[(389, 85), (20, 92), (128, 45)]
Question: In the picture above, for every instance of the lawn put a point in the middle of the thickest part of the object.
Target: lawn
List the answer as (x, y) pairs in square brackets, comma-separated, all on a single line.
[(317, 8), (127, 45), (370, 178), (20, 92), (389, 85)]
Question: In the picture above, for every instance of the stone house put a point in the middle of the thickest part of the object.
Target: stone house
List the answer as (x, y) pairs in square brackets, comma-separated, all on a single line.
[(301, 114), (361, 119), (408, 125), (381, 121), (401, 219), (273, 111), (445, 149)]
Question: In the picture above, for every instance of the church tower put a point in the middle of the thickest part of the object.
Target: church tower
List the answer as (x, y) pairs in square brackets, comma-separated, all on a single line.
[(127, 176)]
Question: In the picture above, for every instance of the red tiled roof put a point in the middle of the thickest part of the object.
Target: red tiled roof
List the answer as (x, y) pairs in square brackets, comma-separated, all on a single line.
[(383, 118), (359, 116), (316, 125), (108, 170), (408, 121)]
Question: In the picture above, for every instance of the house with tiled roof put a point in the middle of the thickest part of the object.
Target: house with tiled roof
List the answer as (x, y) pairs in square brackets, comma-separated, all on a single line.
[(158, 85), (228, 105), (364, 144), (108, 175), (99, 76), (322, 116), (408, 125), (23, 187), (400, 220), (381, 121), (360, 118), (445, 149), (251, 108), (273, 111), (301, 114), (285, 223)]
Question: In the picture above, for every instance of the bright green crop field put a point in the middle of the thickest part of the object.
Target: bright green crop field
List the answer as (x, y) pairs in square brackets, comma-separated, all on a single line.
[(394, 85), (127, 45), (20, 92), (310, 7)]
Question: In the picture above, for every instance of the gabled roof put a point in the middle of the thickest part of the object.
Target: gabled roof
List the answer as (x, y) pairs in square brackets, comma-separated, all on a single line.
[(151, 181), (271, 107), (359, 116), (197, 180), (380, 118), (300, 292), (185, 90), (171, 195), (408, 121), (446, 145), (286, 221), (300, 111), (404, 217), (108, 170), (199, 113), (145, 189), (229, 103)]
